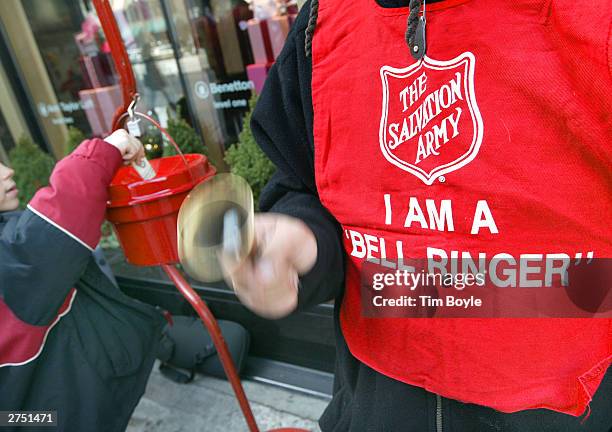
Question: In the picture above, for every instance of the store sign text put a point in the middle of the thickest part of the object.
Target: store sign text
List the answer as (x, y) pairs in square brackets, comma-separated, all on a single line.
[(60, 108), (231, 103), (63, 107), (204, 90)]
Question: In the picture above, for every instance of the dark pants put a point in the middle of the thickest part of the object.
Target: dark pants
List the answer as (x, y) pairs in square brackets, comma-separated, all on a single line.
[(379, 404)]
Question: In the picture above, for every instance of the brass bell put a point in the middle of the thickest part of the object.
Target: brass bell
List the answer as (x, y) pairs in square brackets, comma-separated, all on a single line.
[(217, 217)]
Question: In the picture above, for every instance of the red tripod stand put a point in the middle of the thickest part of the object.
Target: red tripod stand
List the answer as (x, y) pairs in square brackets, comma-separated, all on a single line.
[(129, 93)]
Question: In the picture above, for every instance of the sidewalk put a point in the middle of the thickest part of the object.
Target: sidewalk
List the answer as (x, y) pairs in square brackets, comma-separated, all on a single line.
[(208, 405)]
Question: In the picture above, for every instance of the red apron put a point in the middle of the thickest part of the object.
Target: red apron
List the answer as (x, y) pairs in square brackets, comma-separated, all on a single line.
[(508, 121)]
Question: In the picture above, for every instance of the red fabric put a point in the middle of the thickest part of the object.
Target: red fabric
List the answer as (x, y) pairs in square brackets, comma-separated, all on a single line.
[(21, 342), (533, 134), (76, 197)]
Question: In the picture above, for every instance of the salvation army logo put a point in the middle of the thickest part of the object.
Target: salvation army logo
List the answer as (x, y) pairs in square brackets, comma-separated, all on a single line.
[(430, 123)]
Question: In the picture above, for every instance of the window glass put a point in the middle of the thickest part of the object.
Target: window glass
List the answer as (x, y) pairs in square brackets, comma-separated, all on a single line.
[(6, 140), (145, 34), (53, 25), (199, 60)]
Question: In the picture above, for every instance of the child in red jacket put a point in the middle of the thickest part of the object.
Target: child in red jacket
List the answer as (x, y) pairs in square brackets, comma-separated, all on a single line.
[(70, 340)]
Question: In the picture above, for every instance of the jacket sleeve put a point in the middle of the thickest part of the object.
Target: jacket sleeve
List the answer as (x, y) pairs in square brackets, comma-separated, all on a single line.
[(282, 125), (44, 252)]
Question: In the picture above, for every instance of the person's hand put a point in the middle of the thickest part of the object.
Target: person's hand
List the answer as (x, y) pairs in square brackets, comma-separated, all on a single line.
[(267, 281), (131, 148)]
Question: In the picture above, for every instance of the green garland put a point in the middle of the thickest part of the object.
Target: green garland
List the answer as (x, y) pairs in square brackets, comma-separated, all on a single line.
[(247, 160), (32, 167)]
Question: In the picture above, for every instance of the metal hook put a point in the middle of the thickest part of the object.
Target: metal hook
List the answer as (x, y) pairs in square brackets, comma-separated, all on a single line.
[(420, 38), (132, 106)]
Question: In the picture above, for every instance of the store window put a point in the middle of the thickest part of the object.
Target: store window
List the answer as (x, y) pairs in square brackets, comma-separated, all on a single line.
[(225, 50), (145, 34), (6, 140), (201, 60), (13, 125)]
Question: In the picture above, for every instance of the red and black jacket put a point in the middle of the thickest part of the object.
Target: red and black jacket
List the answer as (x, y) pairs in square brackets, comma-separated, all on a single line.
[(70, 341)]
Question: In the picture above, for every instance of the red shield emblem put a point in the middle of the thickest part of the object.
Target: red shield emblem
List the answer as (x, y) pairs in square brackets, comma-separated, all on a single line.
[(430, 123)]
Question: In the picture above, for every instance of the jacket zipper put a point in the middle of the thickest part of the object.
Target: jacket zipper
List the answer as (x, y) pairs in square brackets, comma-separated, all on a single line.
[(438, 413)]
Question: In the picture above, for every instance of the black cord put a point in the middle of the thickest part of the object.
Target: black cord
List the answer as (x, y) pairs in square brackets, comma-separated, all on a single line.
[(413, 20), (411, 28), (310, 29)]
